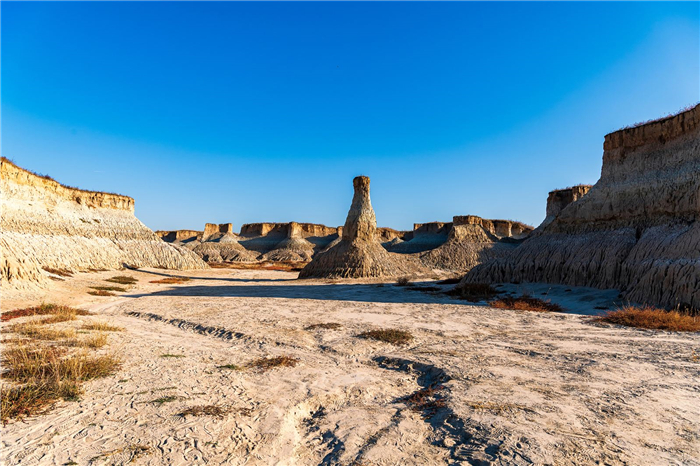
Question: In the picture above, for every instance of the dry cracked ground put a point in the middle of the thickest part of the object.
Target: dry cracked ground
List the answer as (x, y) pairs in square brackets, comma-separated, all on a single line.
[(475, 385)]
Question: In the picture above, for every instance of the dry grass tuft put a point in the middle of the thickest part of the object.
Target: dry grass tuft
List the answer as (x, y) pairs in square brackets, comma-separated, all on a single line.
[(265, 364), (172, 280), (393, 336), (122, 280), (208, 410), (164, 399), (474, 292), (47, 375), (326, 326), (652, 318), (101, 326), (526, 303), (168, 355), (38, 331), (59, 272), (109, 288), (233, 367), (93, 341), (43, 309), (101, 293)]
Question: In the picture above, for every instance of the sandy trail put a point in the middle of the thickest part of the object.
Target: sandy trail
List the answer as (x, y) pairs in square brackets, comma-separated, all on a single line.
[(502, 387)]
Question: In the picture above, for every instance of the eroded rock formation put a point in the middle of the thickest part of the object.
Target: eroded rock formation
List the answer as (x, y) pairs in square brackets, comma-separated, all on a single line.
[(48, 225), (636, 230), (359, 253), (473, 240), (560, 198)]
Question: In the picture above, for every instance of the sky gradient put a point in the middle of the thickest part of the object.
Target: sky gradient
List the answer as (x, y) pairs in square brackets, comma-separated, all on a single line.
[(249, 112)]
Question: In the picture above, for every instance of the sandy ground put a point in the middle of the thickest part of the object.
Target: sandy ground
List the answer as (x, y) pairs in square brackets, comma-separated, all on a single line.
[(511, 387)]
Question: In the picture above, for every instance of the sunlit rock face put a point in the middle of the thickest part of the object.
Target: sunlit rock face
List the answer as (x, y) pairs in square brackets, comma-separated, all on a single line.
[(636, 230), (48, 225)]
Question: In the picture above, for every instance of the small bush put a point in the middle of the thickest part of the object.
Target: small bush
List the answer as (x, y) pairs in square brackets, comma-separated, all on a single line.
[(395, 337), (652, 318), (474, 292), (172, 280), (265, 364), (403, 281), (326, 326), (122, 280), (526, 303)]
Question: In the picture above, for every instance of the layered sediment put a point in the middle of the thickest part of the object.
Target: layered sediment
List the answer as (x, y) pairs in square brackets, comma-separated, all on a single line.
[(359, 253), (48, 225), (637, 229)]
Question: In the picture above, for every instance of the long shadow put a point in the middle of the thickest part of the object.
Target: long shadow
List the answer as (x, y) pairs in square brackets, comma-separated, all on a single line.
[(182, 275), (340, 292)]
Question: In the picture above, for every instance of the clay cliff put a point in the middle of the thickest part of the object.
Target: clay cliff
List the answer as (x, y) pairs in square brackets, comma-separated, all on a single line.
[(637, 229), (359, 253), (48, 225)]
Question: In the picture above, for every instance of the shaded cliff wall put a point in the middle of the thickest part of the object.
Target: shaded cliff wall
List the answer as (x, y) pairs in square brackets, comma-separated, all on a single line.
[(46, 224), (637, 229)]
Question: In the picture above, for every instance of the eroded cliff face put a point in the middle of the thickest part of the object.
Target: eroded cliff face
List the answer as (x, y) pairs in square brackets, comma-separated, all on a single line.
[(637, 229), (47, 225)]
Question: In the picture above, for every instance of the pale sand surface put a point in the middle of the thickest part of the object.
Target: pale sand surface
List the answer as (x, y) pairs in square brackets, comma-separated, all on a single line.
[(520, 387)]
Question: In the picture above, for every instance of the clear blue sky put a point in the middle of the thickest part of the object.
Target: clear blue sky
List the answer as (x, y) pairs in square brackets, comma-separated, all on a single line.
[(245, 112)]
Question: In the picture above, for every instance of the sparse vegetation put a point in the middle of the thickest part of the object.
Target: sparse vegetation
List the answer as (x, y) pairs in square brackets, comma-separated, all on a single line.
[(164, 399), (325, 326), (233, 367), (109, 288), (43, 309), (59, 272), (101, 326), (265, 364), (428, 400), (172, 280), (474, 292), (208, 410), (651, 318), (168, 355), (393, 336), (101, 293), (122, 280), (280, 266), (403, 281), (46, 374), (526, 303)]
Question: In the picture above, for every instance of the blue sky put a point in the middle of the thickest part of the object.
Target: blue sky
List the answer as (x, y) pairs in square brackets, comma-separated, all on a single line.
[(246, 112)]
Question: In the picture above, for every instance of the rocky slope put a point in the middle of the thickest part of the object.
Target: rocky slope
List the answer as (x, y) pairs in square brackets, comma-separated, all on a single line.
[(359, 253), (46, 225), (636, 230)]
